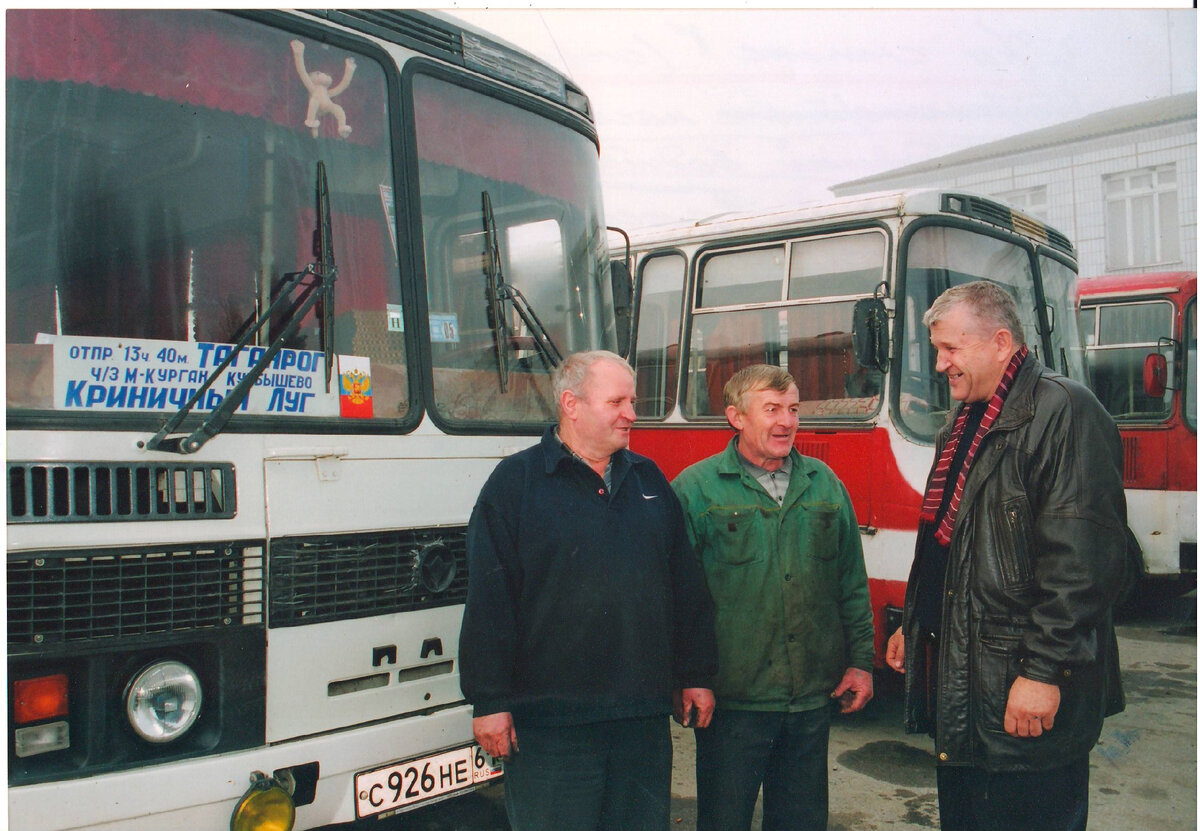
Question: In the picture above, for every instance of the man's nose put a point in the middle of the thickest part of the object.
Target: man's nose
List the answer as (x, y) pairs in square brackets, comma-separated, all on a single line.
[(942, 364)]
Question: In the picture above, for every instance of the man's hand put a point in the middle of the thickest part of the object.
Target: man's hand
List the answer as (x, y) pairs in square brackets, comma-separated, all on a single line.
[(694, 706), (856, 689), (1031, 708), (496, 735), (895, 651)]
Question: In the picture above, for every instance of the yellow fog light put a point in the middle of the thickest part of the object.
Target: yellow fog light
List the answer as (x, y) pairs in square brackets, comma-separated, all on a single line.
[(266, 806)]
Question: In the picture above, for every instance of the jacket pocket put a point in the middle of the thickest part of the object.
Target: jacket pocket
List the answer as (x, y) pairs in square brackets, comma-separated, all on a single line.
[(998, 669), (821, 529), (1015, 539), (735, 533)]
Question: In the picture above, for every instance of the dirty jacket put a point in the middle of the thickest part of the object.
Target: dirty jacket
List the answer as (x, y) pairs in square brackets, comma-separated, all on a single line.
[(1036, 562), (583, 605), (788, 581)]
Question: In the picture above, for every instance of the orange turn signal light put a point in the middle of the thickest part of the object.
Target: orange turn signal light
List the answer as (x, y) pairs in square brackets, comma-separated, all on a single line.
[(36, 699)]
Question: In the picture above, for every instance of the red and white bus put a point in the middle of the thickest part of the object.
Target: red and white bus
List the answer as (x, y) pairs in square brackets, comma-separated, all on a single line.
[(1140, 331), (835, 293), (282, 288)]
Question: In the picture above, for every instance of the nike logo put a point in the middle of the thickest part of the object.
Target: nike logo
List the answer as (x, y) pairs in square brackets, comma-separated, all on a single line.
[(648, 496)]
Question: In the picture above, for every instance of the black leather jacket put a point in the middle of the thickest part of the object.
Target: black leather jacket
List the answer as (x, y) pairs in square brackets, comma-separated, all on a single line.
[(1036, 563)]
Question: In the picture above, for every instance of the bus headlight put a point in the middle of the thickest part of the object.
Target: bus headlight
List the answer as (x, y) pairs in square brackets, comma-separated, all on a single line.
[(266, 806), (163, 701)]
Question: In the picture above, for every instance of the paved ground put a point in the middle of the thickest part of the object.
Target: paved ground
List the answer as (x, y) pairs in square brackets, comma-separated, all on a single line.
[(1143, 770)]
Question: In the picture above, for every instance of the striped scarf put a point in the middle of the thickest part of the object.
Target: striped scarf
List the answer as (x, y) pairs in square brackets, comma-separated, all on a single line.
[(937, 485)]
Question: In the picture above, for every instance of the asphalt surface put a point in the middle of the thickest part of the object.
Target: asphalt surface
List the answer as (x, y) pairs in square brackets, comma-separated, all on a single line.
[(1143, 771)]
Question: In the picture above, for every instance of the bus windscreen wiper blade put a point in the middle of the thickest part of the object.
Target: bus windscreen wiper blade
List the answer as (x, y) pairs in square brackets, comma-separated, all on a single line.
[(499, 291), (492, 288), (295, 298)]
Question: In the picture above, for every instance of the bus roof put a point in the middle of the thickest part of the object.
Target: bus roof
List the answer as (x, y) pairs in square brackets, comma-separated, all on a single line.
[(1135, 285), (864, 206)]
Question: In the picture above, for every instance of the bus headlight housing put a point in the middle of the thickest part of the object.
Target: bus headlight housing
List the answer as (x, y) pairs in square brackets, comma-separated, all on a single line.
[(266, 806), (163, 701)]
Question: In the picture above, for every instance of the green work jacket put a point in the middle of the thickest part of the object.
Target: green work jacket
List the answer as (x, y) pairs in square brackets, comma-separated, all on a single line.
[(788, 581)]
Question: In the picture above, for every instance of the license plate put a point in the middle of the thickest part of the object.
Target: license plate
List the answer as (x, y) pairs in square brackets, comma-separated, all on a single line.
[(407, 783)]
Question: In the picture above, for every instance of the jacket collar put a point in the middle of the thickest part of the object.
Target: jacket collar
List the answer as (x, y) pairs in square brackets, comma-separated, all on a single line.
[(730, 464), (1018, 406), (555, 454)]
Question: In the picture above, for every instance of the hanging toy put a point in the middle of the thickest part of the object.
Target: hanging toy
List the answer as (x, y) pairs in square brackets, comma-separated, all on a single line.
[(321, 95)]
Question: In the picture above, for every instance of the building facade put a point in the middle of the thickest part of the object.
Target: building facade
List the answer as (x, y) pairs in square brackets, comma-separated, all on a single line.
[(1120, 183)]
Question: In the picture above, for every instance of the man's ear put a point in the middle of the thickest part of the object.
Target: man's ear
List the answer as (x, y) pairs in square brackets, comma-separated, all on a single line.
[(569, 404), (1004, 341), (733, 417)]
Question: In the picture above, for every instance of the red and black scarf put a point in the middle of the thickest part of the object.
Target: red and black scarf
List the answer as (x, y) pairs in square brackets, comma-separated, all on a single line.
[(937, 485)]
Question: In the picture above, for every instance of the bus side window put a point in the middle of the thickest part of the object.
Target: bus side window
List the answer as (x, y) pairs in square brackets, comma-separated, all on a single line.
[(726, 343)]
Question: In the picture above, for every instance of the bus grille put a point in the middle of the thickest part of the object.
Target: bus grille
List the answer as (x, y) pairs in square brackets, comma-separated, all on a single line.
[(319, 579), (59, 596), (1129, 467), (119, 491)]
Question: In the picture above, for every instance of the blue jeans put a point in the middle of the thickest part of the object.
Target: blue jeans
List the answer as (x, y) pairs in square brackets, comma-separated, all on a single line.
[(608, 776), (971, 799), (783, 753)]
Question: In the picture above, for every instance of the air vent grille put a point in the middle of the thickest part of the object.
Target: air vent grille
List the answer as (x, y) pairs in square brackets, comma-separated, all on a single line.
[(119, 492), (815, 449), (56, 596), (1129, 454), (318, 579), (407, 28)]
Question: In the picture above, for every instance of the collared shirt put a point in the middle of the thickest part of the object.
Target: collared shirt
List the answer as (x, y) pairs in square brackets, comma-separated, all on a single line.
[(607, 468), (774, 482)]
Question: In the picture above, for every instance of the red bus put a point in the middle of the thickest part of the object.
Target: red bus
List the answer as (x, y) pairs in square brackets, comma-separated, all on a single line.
[(835, 294), (1140, 332)]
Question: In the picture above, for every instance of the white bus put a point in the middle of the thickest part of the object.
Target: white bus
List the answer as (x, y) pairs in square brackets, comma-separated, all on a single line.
[(282, 288)]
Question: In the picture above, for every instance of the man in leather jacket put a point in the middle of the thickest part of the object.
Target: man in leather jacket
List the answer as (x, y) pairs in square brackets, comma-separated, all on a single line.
[(1007, 643)]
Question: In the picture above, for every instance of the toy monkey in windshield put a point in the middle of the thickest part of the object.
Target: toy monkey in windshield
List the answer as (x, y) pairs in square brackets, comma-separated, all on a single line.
[(321, 95)]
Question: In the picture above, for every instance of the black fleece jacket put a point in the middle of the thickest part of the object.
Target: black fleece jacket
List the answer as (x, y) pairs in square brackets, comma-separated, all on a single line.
[(582, 605)]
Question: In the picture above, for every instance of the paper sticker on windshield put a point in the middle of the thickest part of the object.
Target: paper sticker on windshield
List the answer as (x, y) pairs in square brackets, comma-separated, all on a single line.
[(141, 375), (443, 328), (354, 382)]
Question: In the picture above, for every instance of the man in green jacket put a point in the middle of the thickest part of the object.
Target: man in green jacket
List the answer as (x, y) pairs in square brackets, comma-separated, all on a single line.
[(776, 534)]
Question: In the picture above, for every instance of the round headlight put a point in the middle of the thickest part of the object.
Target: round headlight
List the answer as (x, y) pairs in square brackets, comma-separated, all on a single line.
[(163, 701)]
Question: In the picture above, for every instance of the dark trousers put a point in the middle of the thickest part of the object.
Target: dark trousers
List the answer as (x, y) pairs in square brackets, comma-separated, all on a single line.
[(608, 776), (971, 799), (783, 753)]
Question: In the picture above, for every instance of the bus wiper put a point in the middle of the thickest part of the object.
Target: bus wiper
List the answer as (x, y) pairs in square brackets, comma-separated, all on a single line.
[(298, 294), (497, 320), (499, 292)]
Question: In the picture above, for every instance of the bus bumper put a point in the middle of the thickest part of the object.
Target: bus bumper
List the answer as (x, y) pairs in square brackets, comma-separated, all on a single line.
[(202, 793)]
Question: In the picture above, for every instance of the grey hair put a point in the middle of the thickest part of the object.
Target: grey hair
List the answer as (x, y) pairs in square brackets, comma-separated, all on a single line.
[(754, 378), (988, 301), (571, 374)]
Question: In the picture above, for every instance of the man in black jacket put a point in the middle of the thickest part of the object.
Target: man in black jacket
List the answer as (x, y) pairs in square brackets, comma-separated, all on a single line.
[(586, 612), (1007, 642)]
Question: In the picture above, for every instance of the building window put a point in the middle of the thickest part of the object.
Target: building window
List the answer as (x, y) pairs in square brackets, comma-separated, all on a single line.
[(1031, 201), (1142, 214)]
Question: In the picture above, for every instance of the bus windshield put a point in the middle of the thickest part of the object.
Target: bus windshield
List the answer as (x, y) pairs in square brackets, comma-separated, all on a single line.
[(540, 235), (938, 258), (1119, 337), (160, 184)]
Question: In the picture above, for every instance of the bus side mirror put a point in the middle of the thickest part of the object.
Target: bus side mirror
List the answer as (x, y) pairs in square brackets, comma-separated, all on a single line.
[(872, 349), (1154, 375), (622, 291)]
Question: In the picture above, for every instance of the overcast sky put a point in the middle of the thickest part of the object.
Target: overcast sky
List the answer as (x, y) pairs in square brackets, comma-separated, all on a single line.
[(705, 111)]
